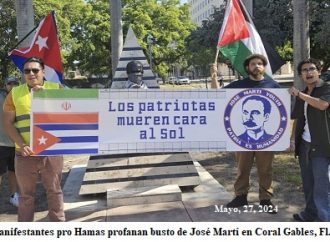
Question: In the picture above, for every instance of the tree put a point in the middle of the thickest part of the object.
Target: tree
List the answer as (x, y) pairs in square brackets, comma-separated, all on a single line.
[(19, 13), (8, 36), (319, 33), (168, 22), (269, 17), (203, 40), (277, 17), (116, 32), (84, 33), (286, 51), (301, 36), (25, 20), (273, 16), (92, 38)]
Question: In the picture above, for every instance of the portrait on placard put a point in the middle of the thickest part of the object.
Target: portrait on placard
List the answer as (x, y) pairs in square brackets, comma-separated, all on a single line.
[(255, 119)]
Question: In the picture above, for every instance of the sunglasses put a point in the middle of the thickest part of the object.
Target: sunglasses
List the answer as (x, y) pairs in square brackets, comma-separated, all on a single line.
[(12, 84), (34, 70)]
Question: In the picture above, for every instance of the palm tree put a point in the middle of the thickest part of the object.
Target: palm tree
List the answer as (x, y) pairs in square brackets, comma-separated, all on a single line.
[(301, 40), (116, 33), (25, 20)]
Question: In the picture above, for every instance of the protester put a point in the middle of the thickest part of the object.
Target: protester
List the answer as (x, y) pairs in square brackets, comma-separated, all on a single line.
[(255, 67), (7, 147), (17, 108), (312, 140), (134, 70)]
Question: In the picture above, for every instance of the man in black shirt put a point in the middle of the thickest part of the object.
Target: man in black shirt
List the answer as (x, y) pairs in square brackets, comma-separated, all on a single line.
[(312, 141)]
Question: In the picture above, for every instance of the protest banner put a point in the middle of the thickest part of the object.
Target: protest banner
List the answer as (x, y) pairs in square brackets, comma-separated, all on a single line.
[(91, 121)]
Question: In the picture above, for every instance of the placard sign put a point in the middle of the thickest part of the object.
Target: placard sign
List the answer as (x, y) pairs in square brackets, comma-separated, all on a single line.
[(91, 121)]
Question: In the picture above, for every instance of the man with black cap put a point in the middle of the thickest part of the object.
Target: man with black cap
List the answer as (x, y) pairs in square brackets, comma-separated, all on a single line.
[(134, 70), (7, 148)]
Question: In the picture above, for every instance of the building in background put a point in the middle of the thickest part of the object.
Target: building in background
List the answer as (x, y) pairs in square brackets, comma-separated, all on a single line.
[(202, 9)]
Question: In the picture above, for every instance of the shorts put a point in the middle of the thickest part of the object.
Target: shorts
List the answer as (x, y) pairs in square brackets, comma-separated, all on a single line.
[(7, 157)]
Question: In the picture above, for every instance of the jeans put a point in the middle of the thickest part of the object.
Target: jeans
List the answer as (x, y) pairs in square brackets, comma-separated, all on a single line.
[(307, 176), (315, 173), (321, 170)]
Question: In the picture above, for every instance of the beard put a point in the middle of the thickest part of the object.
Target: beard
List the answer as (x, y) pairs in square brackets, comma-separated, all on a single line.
[(255, 73)]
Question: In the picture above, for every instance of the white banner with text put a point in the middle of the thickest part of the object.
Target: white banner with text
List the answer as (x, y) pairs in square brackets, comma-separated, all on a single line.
[(91, 121)]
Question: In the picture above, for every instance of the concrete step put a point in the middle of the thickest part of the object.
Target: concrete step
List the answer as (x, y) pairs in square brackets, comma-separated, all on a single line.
[(118, 172), (143, 195)]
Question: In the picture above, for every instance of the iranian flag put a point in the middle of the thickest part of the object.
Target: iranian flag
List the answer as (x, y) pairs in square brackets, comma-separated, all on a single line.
[(239, 38)]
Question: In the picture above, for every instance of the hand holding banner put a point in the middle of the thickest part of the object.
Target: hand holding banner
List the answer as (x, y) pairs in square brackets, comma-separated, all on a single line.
[(138, 121)]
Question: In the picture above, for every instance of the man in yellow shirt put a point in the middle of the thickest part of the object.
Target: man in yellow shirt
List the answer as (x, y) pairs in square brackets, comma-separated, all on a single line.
[(17, 108)]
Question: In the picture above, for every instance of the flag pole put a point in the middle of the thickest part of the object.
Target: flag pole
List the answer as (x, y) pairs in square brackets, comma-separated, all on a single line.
[(214, 72), (27, 35), (216, 56)]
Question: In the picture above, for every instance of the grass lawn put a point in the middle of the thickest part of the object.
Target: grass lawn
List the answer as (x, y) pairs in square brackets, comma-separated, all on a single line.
[(286, 169)]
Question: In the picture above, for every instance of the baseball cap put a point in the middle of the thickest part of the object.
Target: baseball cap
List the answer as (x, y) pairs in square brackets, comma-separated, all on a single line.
[(11, 79)]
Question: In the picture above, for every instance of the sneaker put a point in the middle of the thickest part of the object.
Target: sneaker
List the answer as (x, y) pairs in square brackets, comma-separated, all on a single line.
[(298, 217), (14, 199), (269, 207), (238, 201)]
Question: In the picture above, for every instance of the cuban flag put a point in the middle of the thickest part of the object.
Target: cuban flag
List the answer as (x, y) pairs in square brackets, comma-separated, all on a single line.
[(45, 45), (65, 133)]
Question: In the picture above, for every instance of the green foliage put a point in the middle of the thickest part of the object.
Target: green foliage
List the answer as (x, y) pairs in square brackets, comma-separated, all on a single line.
[(276, 16), (272, 17), (286, 51), (92, 38), (274, 22), (168, 22), (202, 42), (83, 30), (8, 36), (200, 60), (205, 38), (84, 33), (320, 34)]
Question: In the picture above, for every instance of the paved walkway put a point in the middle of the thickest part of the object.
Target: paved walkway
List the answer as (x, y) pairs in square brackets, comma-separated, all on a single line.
[(205, 203)]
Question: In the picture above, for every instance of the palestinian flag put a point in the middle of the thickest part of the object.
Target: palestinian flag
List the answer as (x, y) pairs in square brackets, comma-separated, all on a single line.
[(239, 38)]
